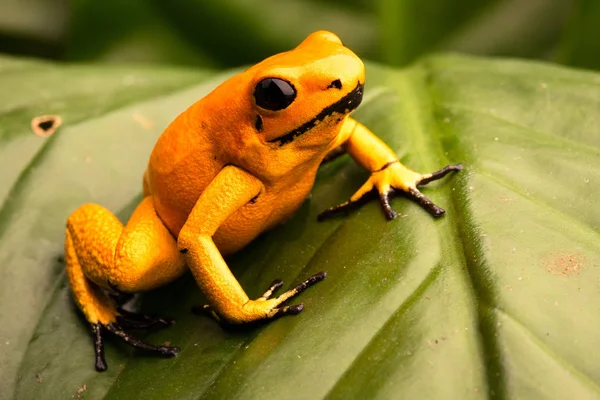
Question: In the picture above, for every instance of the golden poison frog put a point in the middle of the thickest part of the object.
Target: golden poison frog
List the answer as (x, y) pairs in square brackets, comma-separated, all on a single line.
[(236, 163)]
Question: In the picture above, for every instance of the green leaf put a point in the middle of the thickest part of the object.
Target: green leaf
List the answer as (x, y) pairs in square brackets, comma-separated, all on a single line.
[(580, 46), (515, 28), (498, 298), (222, 33), (33, 27), (138, 33), (200, 32)]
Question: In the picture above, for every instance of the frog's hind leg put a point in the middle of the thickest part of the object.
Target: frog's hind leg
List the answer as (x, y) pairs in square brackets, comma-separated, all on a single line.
[(101, 255), (129, 319)]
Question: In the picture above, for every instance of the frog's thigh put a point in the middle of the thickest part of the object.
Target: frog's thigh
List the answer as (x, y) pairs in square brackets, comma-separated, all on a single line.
[(101, 252)]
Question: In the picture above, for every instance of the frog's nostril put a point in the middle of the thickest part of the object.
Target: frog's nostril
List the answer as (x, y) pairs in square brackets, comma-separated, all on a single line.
[(335, 84)]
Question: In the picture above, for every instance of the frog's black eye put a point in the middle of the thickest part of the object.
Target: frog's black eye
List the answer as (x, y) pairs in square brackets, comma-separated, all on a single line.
[(335, 84), (274, 94)]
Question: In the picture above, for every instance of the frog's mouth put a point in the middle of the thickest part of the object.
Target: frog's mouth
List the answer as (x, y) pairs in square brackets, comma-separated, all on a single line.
[(343, 106)]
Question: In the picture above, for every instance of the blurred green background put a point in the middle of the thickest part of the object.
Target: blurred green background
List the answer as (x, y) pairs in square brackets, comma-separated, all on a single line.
[(225, 33)]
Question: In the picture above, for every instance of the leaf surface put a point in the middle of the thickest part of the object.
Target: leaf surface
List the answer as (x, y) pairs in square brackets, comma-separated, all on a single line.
[(499, 298)]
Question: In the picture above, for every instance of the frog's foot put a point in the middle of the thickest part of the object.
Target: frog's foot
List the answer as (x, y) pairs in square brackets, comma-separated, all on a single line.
[(129, 319), (391, 180), (99, 329), (265, 307)]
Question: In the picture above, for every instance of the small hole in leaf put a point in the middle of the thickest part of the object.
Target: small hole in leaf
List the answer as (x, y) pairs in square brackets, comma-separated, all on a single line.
[(45, 125)]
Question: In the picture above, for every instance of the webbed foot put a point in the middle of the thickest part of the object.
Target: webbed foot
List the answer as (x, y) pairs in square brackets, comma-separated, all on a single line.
[(129, 320), (265, 307), (134, 320), (393, 179)]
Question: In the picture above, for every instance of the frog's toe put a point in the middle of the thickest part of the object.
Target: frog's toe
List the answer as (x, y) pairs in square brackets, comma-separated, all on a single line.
[(276, 311), (424, 202), (346, 207), (135, 320), (117, 330), (421, 199), (426, 178), (98, 331), (384, 199), (316, 278), (265, 307), (276, 285), (207, 310), (389, 182), (100, 361), (288, 310)]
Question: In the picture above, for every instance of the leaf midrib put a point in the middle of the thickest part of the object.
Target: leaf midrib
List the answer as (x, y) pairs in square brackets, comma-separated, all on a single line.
[(484, 299), (405, 82), (456, 229)]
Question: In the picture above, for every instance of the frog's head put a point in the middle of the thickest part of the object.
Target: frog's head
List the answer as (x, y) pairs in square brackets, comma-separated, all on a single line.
[(300, 96), (285, 112)]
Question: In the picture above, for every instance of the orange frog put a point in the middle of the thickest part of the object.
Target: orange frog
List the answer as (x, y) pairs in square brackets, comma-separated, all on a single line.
[(236, 163)]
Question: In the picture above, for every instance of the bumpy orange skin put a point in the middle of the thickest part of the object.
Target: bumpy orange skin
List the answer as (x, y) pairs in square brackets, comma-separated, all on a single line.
[(220, 130), (217, 178)]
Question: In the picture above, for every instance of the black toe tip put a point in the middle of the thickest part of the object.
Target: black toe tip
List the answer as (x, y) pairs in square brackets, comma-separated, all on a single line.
[(277, 283), (323, 216), (295, 309), (101, 365), (315, 278), (320, 276), (439, 212), (167, 351)]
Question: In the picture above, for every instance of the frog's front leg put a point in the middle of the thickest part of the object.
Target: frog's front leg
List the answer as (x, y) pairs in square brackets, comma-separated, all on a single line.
[(102, 255), (388, 175), (230, 190)]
